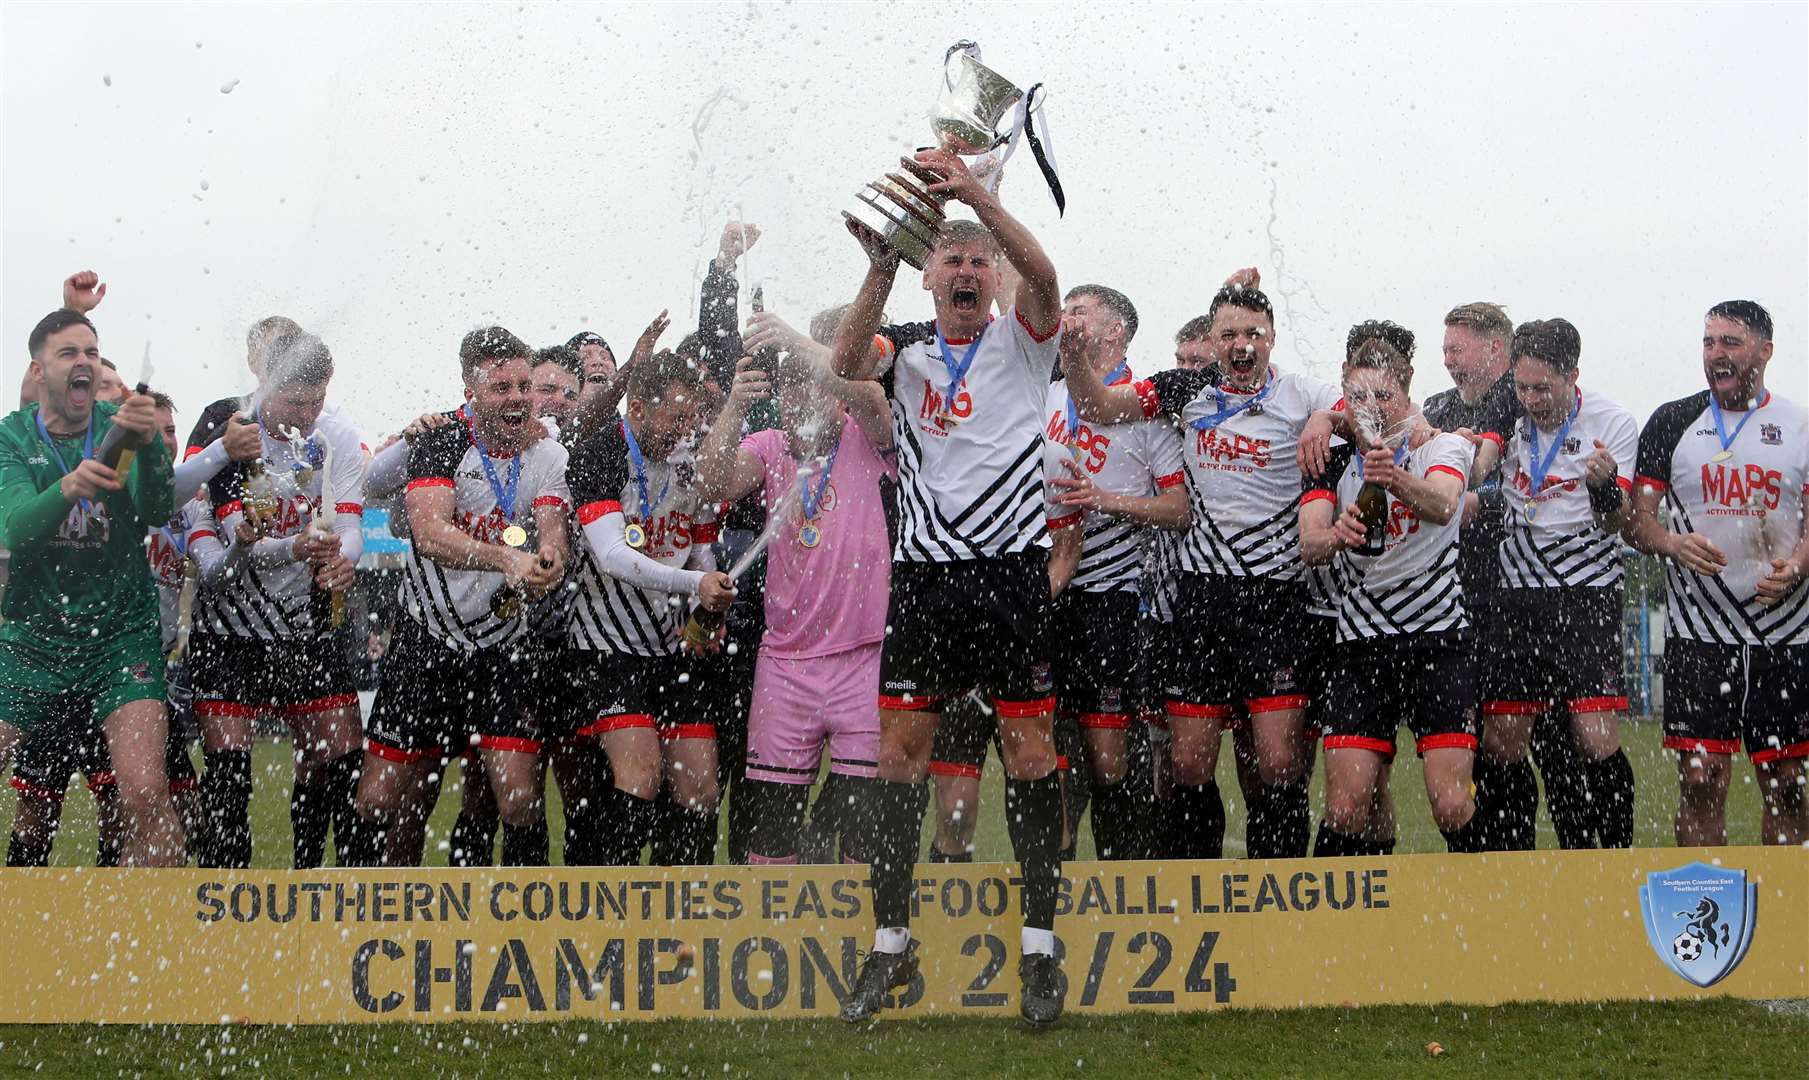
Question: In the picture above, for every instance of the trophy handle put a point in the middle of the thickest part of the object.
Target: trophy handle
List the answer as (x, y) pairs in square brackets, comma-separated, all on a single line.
[(948, 59)]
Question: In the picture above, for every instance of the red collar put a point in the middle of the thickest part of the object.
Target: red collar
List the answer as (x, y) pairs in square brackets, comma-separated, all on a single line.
[(964, 341)]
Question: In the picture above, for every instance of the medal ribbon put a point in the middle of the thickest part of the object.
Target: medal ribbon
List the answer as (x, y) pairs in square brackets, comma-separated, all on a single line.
[(88, 446), (1227, 410), (640, 474), (1727, 441), (957, 371), (813, 501), (505, 496), (1073, 419), (1540, 465)]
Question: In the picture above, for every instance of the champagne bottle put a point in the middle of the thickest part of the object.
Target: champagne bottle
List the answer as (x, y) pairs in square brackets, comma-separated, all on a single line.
[(1372, 510), (328, 605), (113, 451)]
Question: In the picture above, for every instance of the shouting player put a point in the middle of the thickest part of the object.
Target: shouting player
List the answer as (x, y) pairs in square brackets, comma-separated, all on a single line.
[(1731, 464), (969, 571), (1239, 581), (80, 629), (487, 504)]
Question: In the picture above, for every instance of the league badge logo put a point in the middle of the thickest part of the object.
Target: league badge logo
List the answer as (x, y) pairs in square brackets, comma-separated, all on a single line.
[(1573, 445), (1771, 434), (1700, 919)]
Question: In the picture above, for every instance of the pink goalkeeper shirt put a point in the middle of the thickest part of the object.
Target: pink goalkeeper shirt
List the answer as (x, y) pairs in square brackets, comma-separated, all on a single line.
[(832, 597)]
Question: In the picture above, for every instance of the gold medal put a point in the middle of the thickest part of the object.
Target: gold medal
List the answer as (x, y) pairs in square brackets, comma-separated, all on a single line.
[(1532, 511), (515, 536), (506, 603), (810, 536), (1722, 456), (946, 419), (635, 535)]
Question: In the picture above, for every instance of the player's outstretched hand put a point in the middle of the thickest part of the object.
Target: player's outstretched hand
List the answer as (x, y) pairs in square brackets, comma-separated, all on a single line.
[(1599, 468), (243, 439), (1314, 447), (751, 385), (737, 238), (424, 423), (880, 256), (335, 574), (957, 183), (768, 331), (1349, 528), (138, 417), (649, 339)]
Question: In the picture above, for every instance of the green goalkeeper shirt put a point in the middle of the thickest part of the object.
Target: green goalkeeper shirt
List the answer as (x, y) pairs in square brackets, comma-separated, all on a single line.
[(77, 579)]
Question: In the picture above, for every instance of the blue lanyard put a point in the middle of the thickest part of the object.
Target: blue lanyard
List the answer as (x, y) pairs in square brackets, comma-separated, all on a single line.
[(957, 372), (87, 447), (1727, 441), (505, 496), (1123, 369), (1540, 464), (813, 501), (1227, 410), (1400, 453), (640, 474)]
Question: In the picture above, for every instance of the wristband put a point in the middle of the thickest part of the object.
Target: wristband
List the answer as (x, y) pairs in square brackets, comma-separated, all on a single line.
[(1605, 499)]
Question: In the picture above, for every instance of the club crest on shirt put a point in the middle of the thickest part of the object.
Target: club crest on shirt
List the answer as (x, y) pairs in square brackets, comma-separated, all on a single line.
[(1771, 434), (1572, 444)]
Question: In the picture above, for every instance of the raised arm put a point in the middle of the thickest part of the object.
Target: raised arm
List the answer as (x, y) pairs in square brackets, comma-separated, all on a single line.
[(1434, 497), (601, 409), (854, 354), (726, 472)]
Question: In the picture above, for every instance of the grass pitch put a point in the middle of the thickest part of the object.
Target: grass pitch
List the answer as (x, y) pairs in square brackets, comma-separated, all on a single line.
[(1654, 767), (1623, 1039)]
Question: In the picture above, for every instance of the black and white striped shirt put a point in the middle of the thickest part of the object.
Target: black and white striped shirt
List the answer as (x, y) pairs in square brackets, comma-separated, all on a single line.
[(1413, 586), (970, 471), (1750, 505), (454, 604), (1242, 475), (610, 615), (1142, 458), (1561, 545), (269, 600)]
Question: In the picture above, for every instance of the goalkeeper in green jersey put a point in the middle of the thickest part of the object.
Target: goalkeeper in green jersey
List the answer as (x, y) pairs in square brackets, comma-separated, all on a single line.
[(80, 619)]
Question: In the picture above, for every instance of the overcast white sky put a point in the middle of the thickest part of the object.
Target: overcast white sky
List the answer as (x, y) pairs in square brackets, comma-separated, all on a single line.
[(393, 175)]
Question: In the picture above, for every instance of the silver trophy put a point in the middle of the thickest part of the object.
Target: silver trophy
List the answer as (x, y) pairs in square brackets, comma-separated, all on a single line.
[(898, 208)]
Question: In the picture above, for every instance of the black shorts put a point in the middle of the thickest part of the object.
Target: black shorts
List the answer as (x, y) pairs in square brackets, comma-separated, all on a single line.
[(1719, 698), (1237, 640), (239, 676), (965, 625), (69, 741), (434, 699), (1094, 650), (614, 691), (1316, 657), (553, 664), (1426, 681), (1553, 649)]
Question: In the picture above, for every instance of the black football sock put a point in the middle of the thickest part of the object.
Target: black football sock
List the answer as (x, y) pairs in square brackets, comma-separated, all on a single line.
[(581, 833), (1567, 794), (226, 793), (1611, 799), (1332, 844), (525, 845), (684, 837), (895, 812), (1280, 823), (630, 820), (1115, 824), (1507, 802), (1033, 817), (343, 773), (309, 818), (106, 841), (1467, 839), (23, 850), (1197, 822), (473, 839)]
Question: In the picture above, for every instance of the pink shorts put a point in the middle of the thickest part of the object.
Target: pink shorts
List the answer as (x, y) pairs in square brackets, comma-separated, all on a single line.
[(799, 705)]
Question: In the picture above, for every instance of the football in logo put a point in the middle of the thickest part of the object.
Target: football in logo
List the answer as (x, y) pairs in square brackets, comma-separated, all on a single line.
[(1700, 920)]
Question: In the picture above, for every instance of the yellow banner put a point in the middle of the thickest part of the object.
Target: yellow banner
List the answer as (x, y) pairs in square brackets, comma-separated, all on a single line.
[(186, 946)]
